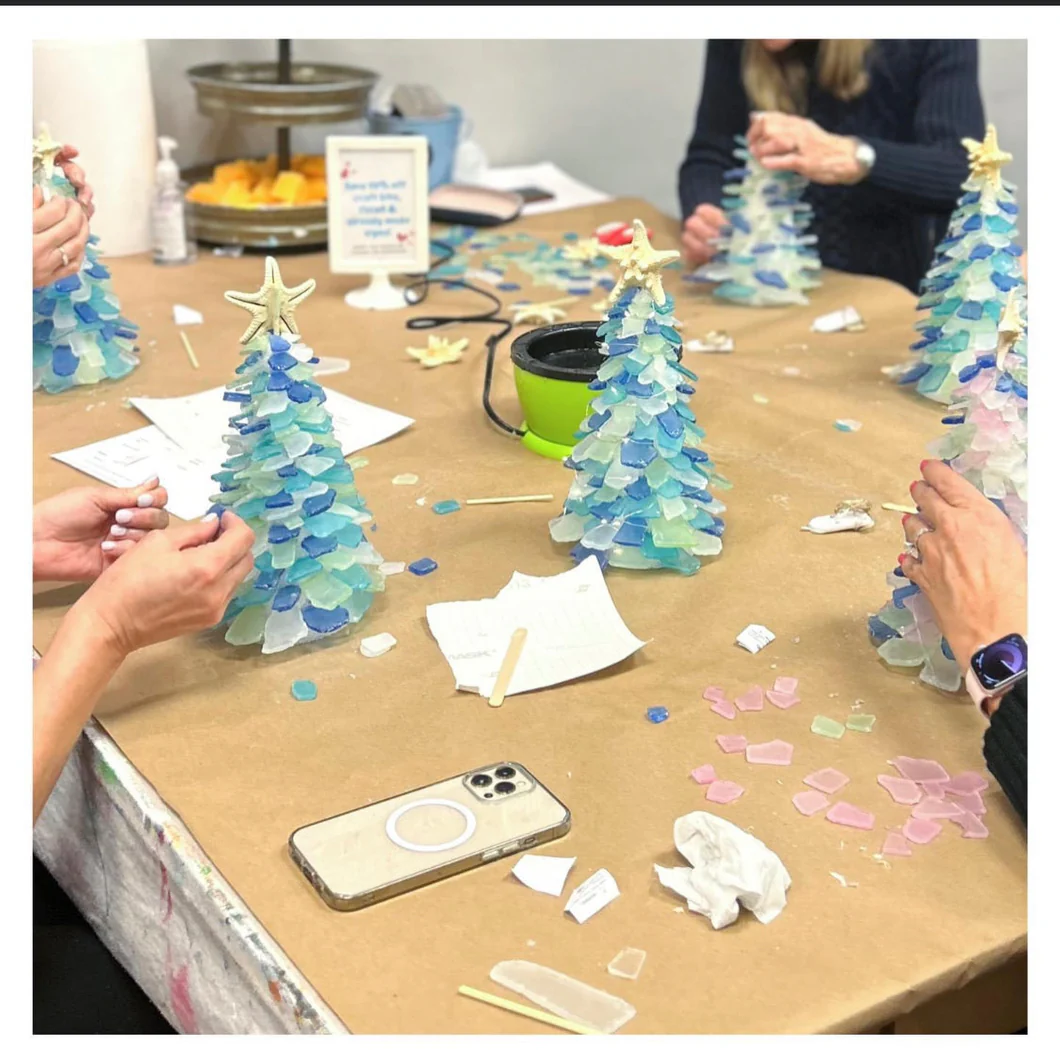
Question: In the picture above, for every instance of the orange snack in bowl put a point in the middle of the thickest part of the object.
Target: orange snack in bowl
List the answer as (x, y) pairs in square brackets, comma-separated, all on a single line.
[(316, 189), (288, 187), (237, 194), (313, 166)]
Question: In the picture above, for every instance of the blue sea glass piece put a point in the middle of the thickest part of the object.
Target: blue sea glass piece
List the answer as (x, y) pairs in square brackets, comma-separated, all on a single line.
[(318, 503), (637, 455), (86, 313), (278, 381), (278, 533), (879, 631), (657, 714), (968, 373), (448, 505), (64, 361), (278, 343), (267, 578), (973, 223), (424, 567), (297, 391), (286, 598), (325, 621), (279, 500), (304, 690), (281, 361), (770, 277), (971, 311), (317, 546)]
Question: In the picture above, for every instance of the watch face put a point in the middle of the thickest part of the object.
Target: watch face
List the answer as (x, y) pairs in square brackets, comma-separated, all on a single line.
[(1001, 663)]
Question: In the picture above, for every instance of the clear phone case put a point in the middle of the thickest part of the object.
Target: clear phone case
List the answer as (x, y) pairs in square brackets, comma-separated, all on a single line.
[(361, 857)]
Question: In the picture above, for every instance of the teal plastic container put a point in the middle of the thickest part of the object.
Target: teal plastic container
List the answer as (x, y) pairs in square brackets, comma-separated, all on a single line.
[(442, 133)]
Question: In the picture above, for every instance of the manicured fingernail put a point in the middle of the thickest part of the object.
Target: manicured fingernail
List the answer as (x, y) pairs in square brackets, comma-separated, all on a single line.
[(108, 546), (117, 531), (145, 500), (123, 516), (901, 559), (150, 483), (922, 464), (905, 518), (912, 485), (208, 517)]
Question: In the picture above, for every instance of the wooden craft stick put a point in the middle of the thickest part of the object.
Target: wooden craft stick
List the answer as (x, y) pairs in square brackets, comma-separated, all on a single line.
[(895, 508), (512, 498), (511, 659), (191, 354), (523, 1009)]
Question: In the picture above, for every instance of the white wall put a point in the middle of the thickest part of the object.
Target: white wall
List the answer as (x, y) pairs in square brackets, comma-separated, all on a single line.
[(615, 113)]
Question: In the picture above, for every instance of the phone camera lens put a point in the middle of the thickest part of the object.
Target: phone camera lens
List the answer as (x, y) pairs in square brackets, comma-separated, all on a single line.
[(505, 773), (505, 787), (480, 780), (487, 795)]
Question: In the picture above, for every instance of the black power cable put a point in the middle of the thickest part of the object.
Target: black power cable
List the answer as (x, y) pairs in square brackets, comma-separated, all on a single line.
[(417, 291)]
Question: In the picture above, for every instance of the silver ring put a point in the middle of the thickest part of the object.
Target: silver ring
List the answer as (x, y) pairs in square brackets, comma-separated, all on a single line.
[(916, 537), (65, 258)]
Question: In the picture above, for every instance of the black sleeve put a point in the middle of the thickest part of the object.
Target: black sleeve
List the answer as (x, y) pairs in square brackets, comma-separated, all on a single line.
[(722, 114), (928, 173), (1005, 747)]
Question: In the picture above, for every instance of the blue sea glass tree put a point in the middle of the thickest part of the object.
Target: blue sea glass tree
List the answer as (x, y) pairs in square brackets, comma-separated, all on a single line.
[(641, 496), (986, 443), (79, 334), (976, 267), (765, 256), (315, 571)]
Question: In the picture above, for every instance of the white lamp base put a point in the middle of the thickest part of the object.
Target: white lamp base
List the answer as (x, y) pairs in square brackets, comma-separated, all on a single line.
[(379, 295)]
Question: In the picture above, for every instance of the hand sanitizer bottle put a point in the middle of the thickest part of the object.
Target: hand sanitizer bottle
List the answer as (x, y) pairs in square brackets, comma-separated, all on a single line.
[(173, 245)]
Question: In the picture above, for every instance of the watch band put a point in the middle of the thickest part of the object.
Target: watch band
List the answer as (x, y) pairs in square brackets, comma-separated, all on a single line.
[(976, 691), (864, 156)]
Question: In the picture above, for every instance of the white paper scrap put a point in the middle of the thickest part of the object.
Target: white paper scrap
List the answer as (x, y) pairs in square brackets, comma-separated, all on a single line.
[(713, 343), (837, 320), (755, 637), (844, 520), (573, 629), (729, 868), (377, 645), (185, 315), (596, 892), (546, 874), (331, 366)]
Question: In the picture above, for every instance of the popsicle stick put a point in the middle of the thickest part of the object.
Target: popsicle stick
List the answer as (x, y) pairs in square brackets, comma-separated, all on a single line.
[(522, 1009), (512, 498), (511, 659), (894, 507), (191, 354)]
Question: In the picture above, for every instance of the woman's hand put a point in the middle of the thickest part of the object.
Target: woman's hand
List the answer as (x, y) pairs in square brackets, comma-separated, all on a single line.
[(60, 236), (786, 142), (972, 565), (175, 582), (76, 176), (78, 533), (701, 229)]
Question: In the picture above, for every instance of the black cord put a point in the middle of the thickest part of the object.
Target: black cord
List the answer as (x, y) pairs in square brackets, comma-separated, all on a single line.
[(417, 291)]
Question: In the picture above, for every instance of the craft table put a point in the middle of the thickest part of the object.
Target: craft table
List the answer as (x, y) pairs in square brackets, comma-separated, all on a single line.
[(171, 833)]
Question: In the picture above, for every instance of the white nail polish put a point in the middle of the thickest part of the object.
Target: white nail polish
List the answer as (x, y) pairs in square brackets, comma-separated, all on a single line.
[(123, 516), (108, 546), (144, 501), (117, 531)]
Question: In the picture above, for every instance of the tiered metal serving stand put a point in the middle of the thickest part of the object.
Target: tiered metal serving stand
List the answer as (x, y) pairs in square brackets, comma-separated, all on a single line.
[(281, 94)]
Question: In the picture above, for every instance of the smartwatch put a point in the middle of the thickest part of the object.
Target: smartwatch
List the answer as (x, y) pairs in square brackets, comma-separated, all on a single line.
[(864, 156), (996, 668)]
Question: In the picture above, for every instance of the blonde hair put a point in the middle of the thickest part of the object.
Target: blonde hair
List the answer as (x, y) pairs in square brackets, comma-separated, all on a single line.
[(779, 81)]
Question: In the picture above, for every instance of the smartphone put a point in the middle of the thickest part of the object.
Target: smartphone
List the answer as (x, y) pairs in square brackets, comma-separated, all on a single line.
[(359, 858), (533, 195)]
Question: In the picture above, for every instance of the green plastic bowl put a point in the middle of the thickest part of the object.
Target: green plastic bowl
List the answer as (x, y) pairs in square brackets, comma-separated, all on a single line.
[(554, 367)]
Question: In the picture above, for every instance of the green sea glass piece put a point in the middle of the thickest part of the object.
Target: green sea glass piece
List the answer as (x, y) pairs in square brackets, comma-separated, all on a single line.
[(861, 721), (826, 727)]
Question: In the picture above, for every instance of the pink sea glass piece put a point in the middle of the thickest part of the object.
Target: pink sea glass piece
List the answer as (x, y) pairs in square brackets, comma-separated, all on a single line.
[(724, 708), (731, 743), (970, 803), (932, 789), (704, 774), (781, 699), (904, 791), (972, 826), (920, 770), (751, 701), (713, 694), (827, 780), (810, 802), (722, 792), (968, 782), (895, 845), (784, 684), (850, 816), (937, 808), (777, 752), (922, 831)]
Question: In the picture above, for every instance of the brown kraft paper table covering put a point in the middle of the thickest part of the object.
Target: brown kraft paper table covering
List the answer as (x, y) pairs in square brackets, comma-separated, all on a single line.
[(215, 729)]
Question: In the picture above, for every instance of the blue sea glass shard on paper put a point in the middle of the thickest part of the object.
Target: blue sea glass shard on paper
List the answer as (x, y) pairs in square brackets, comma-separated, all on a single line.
[(299, 497), (77, 340)]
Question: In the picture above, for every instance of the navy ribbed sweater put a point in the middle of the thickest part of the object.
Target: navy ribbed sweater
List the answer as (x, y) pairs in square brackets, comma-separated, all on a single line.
[(923, 97)]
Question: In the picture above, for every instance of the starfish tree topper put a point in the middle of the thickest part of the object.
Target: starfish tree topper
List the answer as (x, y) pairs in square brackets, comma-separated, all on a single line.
[(272, 306), (639, 264)]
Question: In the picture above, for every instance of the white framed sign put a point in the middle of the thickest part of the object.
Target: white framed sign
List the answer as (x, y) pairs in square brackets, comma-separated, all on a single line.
[(378, 218)]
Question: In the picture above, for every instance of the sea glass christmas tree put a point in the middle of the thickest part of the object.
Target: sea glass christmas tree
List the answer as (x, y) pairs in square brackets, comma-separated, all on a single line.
[(765, 256), (315, 572), (987, 444), (641, 496), (79, 334), (976, 266)]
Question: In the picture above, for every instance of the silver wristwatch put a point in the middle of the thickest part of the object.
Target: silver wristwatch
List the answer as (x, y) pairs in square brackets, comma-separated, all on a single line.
[(864, 156)]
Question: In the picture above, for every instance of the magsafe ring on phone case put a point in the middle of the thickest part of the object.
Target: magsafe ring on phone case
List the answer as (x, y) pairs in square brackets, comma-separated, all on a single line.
[(397, 838)]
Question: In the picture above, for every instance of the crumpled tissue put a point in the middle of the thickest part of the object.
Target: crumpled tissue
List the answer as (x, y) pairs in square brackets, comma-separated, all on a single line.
[(729, 867)]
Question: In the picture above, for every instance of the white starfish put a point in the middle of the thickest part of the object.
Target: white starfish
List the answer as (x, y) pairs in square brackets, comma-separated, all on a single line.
[(45, 149), (582, 250), (439, 351), (546, 313), (640, 265), (272, 306), (986, 156)]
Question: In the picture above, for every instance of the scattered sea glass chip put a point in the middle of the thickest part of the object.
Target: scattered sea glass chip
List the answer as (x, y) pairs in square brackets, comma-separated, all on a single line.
[(972, 826), (847, 815), (304, 690), (777, 752), (827, 780), (405, 479), (921, 831), (826, 727), (936, 808), (657, 714), (377, 645), (751, 701), (628, 963), (782, 700), (448, 505), (704, 774), (903, 791), (973, 803), (731, 743), (424, 567), (725, 709), (863, 722), (722, 792), (967, 782), (785, 684), (810, 802), (920, 770), (895, 845), (713, 694)]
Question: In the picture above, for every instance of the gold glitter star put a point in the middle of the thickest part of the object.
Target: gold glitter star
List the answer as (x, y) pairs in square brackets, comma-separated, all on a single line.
[(582, 250), (439, 351), (640, 265), (271, 307), (547, 313), (45, 149), (1010, 327), (986, 157)]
